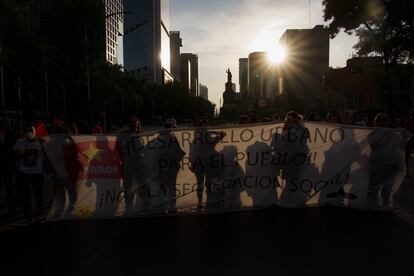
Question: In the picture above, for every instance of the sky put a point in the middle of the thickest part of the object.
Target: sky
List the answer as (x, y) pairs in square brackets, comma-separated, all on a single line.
[(222, 31)]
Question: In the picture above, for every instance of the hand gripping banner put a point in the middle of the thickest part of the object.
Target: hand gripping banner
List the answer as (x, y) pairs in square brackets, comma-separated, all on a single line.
[(210, 170)]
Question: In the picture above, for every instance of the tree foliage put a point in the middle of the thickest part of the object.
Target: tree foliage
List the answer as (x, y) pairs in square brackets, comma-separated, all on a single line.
[(384, 27), (64, 41)]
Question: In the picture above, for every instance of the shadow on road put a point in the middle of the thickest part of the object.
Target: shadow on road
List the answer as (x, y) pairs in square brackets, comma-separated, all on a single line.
[(324, 241)]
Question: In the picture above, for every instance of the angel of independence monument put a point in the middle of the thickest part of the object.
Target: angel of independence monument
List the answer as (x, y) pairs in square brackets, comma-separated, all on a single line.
[(229, 110)]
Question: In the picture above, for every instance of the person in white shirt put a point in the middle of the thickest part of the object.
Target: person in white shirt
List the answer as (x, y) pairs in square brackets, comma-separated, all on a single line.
[(29, 157)]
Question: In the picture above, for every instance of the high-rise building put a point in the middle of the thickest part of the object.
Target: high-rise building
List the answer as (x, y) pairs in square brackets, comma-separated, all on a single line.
[(204, 92), (175, 44), (258, 69), (244, 76), (185, 73), (263, 79), (307, 60), (193, 59), (147, 39), (114, 23)]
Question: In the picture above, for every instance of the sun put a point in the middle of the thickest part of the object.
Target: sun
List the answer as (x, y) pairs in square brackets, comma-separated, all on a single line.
[(277, 54)]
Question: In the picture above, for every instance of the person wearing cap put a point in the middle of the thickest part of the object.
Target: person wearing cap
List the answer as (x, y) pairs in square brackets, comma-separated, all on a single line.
[(29, 157), (170, 123), (7, 139), (173, 153), (58, 126)]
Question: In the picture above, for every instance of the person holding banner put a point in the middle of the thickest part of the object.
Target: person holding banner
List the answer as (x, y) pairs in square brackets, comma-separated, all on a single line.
[(409, 125), (7, 139), (134, 126), (29, 157), (163, 156), (384, 162), (292, 146), (199, 159)]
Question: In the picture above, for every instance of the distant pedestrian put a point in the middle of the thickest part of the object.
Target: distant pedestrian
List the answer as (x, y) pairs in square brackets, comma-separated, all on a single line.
[(384, 161), (41, 129), (409, 125), (29, 157), (72, 128), (292, 116), (333, 117), (314, 117), (170, 123), (382, 120), (58, 126), (267, 119), (134, 126), (245, 120), (97, 129), (203, 123)]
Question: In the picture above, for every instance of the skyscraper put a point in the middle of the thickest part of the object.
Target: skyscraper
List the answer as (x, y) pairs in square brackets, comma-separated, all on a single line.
[(244, 76), (204, 92), (193, 59), (258, 69), (114, 23), (185, 73), (307, 60), (175, 44), (147, 40)]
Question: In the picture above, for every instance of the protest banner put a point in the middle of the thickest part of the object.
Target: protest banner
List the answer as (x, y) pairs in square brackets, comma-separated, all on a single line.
[(212, 170)]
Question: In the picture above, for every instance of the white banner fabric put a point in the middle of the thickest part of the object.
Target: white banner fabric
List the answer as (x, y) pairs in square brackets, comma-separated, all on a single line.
[(190, 171)]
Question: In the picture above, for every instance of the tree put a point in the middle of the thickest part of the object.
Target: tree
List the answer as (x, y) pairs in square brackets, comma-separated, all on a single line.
[(384, 27)]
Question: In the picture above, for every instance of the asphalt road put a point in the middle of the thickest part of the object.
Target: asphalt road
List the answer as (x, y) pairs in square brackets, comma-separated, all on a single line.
[(325, 241), (315, 241)]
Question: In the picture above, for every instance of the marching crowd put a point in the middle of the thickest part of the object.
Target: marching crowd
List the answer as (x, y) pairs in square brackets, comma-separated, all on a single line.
[(23, 161)]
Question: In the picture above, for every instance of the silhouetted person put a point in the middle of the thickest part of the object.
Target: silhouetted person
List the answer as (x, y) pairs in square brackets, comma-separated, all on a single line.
[(66, 170), (199, 158), (244, 120), (162, 179), (203, 153), (314, 117), (293, 146), (267, 119), (134, 126), (29, 156), (136, 168), (58, 127), (338, 157), (97, 129), (133, 178), (261, 175), (7, 140), (334, 117), (384, 161), (231, 179), (72, 128), (409, 125)]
